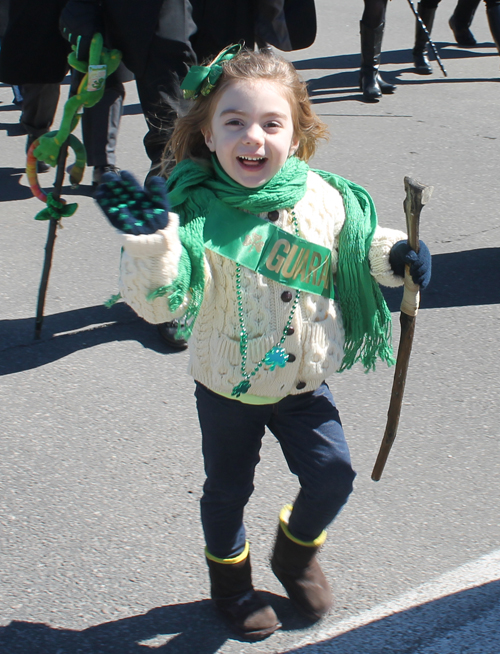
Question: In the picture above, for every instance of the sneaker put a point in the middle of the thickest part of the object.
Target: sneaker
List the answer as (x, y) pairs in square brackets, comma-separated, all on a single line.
[(99, 172), (168, 331)]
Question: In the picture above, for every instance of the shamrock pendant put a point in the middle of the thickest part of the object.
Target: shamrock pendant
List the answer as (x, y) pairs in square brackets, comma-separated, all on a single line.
[(277, 356), (240, 388)]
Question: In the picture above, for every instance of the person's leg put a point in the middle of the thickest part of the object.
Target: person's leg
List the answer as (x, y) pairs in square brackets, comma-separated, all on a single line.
[(309, 430), (38, 111), (310, 433), (39, 108), (160, 95), (169, 59), (231, 440), (493, 14), (100, 125), (374, 13), (372, 27), (426, 11), (461, 20)]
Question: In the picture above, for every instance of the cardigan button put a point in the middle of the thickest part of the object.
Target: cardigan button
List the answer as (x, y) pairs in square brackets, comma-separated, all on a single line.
[(290, 331), (301, 385), (273, 216), (286, 296), (291, 358)]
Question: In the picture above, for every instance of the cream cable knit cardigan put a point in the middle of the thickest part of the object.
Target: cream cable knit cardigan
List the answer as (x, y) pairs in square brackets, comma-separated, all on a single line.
[(151, 261)]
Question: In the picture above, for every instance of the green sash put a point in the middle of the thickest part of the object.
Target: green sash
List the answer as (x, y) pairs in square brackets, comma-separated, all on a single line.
[(269, 250)]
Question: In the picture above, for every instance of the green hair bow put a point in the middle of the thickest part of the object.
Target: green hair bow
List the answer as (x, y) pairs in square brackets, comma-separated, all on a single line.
[(202, 79)]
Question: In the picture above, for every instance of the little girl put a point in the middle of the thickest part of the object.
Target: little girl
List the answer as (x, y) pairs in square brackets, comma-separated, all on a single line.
[(272, 270)]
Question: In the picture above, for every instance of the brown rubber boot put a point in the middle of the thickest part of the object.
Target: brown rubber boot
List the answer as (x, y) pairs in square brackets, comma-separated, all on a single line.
[(294, 563), (235, 598)]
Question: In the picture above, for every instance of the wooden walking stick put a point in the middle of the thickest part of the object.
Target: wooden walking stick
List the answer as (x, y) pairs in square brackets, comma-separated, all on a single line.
[(416, 196)]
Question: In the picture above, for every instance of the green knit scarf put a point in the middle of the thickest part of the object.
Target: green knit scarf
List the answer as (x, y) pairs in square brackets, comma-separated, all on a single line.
[(191, 188)]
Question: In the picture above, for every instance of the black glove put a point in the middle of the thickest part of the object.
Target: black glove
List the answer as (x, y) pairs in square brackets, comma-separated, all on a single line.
[(129, 207), (420, 264), (79, 21)]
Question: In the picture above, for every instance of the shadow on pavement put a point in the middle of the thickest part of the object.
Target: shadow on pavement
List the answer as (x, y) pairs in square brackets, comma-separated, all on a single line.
[(335, 85), (10, 187), (190, 626), (132, 109), (459, 279), (8, 107), (345, 61), (193, 627), (420, 627), (70, 331), (12, 129), (176, 629)]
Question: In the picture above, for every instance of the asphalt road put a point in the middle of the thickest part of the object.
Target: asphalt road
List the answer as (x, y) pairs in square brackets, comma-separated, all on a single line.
[(100, 468)]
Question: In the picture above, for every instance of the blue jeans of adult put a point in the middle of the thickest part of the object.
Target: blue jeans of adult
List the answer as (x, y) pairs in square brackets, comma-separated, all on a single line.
[(310, 433)]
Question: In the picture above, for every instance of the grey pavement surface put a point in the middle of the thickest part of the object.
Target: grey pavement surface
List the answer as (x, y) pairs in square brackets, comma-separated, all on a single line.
[(100, 469)]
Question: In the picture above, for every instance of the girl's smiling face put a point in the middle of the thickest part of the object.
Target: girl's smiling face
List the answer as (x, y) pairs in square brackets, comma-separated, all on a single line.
[(251, 131)]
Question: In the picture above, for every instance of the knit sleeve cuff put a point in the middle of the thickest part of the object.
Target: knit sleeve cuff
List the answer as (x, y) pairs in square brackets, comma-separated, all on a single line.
[(153, 245), (383, 240), (150, 262)]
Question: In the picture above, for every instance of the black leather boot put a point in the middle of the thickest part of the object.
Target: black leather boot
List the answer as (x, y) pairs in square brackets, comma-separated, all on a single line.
[(370, 81), (296, 566), (420, 59), (493, 13), (461, 20), (236, 600)]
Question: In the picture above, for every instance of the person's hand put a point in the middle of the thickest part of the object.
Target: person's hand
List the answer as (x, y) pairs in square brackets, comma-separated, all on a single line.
[(129, 207), (420, 264), (78, 22)]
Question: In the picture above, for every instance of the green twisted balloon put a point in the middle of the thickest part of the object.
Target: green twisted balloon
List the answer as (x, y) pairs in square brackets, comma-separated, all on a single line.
[(88, 95)]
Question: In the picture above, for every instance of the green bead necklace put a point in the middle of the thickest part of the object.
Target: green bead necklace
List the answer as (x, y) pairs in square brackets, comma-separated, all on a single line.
[(277, 355)]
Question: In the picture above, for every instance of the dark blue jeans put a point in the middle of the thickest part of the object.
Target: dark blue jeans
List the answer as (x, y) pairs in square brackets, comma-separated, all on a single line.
[(310, 433)]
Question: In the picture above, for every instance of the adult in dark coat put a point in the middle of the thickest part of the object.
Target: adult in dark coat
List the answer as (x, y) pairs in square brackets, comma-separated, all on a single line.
[(285, 24), (34, 56), (33, 29), (154, 38), (158, 40), (4, 17)]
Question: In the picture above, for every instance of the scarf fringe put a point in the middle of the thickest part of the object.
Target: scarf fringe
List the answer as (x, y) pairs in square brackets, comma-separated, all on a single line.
[(366, 351), (112, 300)]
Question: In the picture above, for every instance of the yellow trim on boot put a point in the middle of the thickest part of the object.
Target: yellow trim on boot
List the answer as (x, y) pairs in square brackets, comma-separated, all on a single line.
[(234, 559), (285, 517)]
